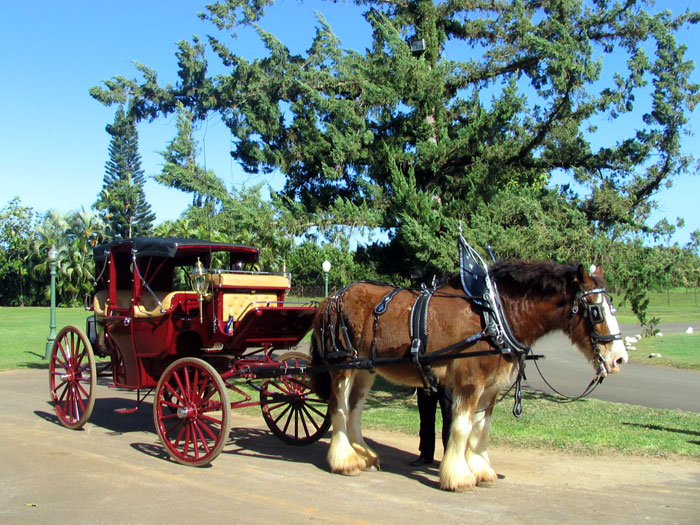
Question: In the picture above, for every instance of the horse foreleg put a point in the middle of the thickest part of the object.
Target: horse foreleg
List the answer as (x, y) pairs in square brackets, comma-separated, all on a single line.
[(360, 388), (454, 471), (477, 457), (342, 457)]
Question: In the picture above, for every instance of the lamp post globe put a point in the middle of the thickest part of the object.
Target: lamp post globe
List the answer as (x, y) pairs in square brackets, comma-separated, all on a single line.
[(326, 267), (53, 255)]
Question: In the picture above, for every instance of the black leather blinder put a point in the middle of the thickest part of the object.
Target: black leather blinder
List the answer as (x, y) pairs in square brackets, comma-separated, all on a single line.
[(596, 313)]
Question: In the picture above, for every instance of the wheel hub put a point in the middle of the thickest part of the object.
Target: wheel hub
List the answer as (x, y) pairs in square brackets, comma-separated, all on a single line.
[(186, 412)]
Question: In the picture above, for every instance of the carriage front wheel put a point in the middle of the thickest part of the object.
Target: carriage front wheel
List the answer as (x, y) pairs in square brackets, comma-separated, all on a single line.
[(192, 412), (292, 411), (72, 377)]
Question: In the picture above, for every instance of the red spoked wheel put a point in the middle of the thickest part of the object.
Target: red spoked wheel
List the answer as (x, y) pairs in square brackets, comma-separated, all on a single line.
[(292, 411), (72, 377), (192, 412)]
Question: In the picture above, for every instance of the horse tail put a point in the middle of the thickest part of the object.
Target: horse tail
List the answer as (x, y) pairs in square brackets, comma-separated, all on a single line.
[(320, 381)]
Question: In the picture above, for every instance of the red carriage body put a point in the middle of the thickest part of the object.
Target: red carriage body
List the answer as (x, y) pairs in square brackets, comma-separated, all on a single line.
[(191, 346)]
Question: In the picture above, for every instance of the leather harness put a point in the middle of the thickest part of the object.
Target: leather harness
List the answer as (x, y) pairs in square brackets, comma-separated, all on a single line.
[(479, 289)]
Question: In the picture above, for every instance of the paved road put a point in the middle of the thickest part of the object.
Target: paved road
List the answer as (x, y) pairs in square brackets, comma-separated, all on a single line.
[(566, 369), (115, 471)]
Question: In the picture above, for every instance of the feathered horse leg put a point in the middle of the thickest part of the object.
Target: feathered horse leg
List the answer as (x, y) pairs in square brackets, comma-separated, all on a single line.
[(342, 457), (361, 387)]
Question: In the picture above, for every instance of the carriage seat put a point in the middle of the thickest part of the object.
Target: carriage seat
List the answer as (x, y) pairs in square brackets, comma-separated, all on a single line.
[(243, 291), (149, 307), (251, 280)]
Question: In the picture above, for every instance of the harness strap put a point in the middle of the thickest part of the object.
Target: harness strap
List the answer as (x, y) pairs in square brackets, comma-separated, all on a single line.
[(331, 310), (380, 309), (419, 338)]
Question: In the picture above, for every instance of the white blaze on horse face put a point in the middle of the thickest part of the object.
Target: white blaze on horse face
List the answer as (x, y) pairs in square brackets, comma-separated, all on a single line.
[(617, 354)]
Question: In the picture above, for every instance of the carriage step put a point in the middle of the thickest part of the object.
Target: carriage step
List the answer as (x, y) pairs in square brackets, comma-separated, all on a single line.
[(125, 410)]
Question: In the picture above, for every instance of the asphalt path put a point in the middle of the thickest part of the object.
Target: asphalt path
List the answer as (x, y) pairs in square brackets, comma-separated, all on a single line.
[(568, 372)]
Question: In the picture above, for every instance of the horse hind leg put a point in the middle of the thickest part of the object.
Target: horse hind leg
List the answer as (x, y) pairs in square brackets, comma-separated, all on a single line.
[(361, 386), (455, 474), (342, 456)]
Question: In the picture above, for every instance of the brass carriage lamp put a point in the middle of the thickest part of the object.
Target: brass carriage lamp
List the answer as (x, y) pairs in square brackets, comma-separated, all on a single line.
[(200, 282)]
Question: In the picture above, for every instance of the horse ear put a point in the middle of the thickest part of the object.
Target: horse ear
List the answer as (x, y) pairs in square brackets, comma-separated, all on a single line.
[(580, 273), (596, 270)]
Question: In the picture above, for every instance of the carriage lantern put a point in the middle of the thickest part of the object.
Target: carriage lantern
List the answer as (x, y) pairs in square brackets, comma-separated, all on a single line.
[(200, 283)]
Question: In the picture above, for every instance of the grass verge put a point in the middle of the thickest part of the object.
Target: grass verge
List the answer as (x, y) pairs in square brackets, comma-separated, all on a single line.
[(587, 426), (675, 305), (23, 333), (677, 350)]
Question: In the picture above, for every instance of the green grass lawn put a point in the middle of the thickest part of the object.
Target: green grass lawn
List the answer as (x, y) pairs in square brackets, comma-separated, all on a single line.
[(23, 333), (678, 350), (675, 305)]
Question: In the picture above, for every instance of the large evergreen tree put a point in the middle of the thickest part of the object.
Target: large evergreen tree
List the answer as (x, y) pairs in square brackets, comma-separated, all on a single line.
[(406, 137), (122, 201)]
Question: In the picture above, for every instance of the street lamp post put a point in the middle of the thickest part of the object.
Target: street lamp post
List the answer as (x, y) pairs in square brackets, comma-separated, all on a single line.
[(326, 267), (53, 255)]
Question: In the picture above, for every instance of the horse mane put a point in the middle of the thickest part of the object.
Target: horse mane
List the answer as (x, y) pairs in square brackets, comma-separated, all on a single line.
[(518, 277)]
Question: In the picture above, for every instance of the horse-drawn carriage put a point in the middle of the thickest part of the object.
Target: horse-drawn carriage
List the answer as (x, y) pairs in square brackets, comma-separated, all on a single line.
[(168, 321)]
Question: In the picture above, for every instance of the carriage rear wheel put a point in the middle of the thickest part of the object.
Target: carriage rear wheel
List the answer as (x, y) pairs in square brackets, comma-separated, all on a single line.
[(72, 377), (292, 411), (192, 412)]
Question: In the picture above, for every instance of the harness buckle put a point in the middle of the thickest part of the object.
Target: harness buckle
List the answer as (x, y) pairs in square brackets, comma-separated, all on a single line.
[(415, 348)]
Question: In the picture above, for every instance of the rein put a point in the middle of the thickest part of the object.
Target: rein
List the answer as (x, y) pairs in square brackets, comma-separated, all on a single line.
[(594, 314)]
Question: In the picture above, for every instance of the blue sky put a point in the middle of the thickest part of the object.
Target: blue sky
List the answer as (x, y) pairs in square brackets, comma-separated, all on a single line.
[(53, 144)]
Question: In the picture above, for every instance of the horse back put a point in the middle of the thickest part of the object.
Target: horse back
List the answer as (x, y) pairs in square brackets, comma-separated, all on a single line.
[(451, 317)]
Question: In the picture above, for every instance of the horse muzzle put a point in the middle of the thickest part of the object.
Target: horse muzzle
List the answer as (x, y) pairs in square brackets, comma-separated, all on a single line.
[(615, 357)]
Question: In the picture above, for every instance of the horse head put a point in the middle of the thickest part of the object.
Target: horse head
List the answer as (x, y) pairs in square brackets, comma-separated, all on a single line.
[(594, 326)]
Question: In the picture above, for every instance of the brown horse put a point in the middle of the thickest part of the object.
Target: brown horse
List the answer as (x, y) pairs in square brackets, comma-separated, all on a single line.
[(537, 298)]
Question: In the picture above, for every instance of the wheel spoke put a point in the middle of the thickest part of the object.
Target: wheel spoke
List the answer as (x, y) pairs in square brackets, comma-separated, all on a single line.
[(199, 432), (187, 391), (181, 394), (310, 418), (209, 431), (210, 419), (175, 392), (82, 389), (290, 414), (283, 413), (196, 392), (308, 406)]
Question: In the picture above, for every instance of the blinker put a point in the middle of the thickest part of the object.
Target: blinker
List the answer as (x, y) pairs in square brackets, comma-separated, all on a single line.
[(596, 313)]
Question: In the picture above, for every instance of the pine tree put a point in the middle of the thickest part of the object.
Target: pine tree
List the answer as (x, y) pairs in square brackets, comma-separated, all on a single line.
[(406, 137), (122, 201)]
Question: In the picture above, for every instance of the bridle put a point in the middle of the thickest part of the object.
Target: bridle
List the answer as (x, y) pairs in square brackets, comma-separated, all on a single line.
[(594, 313)]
